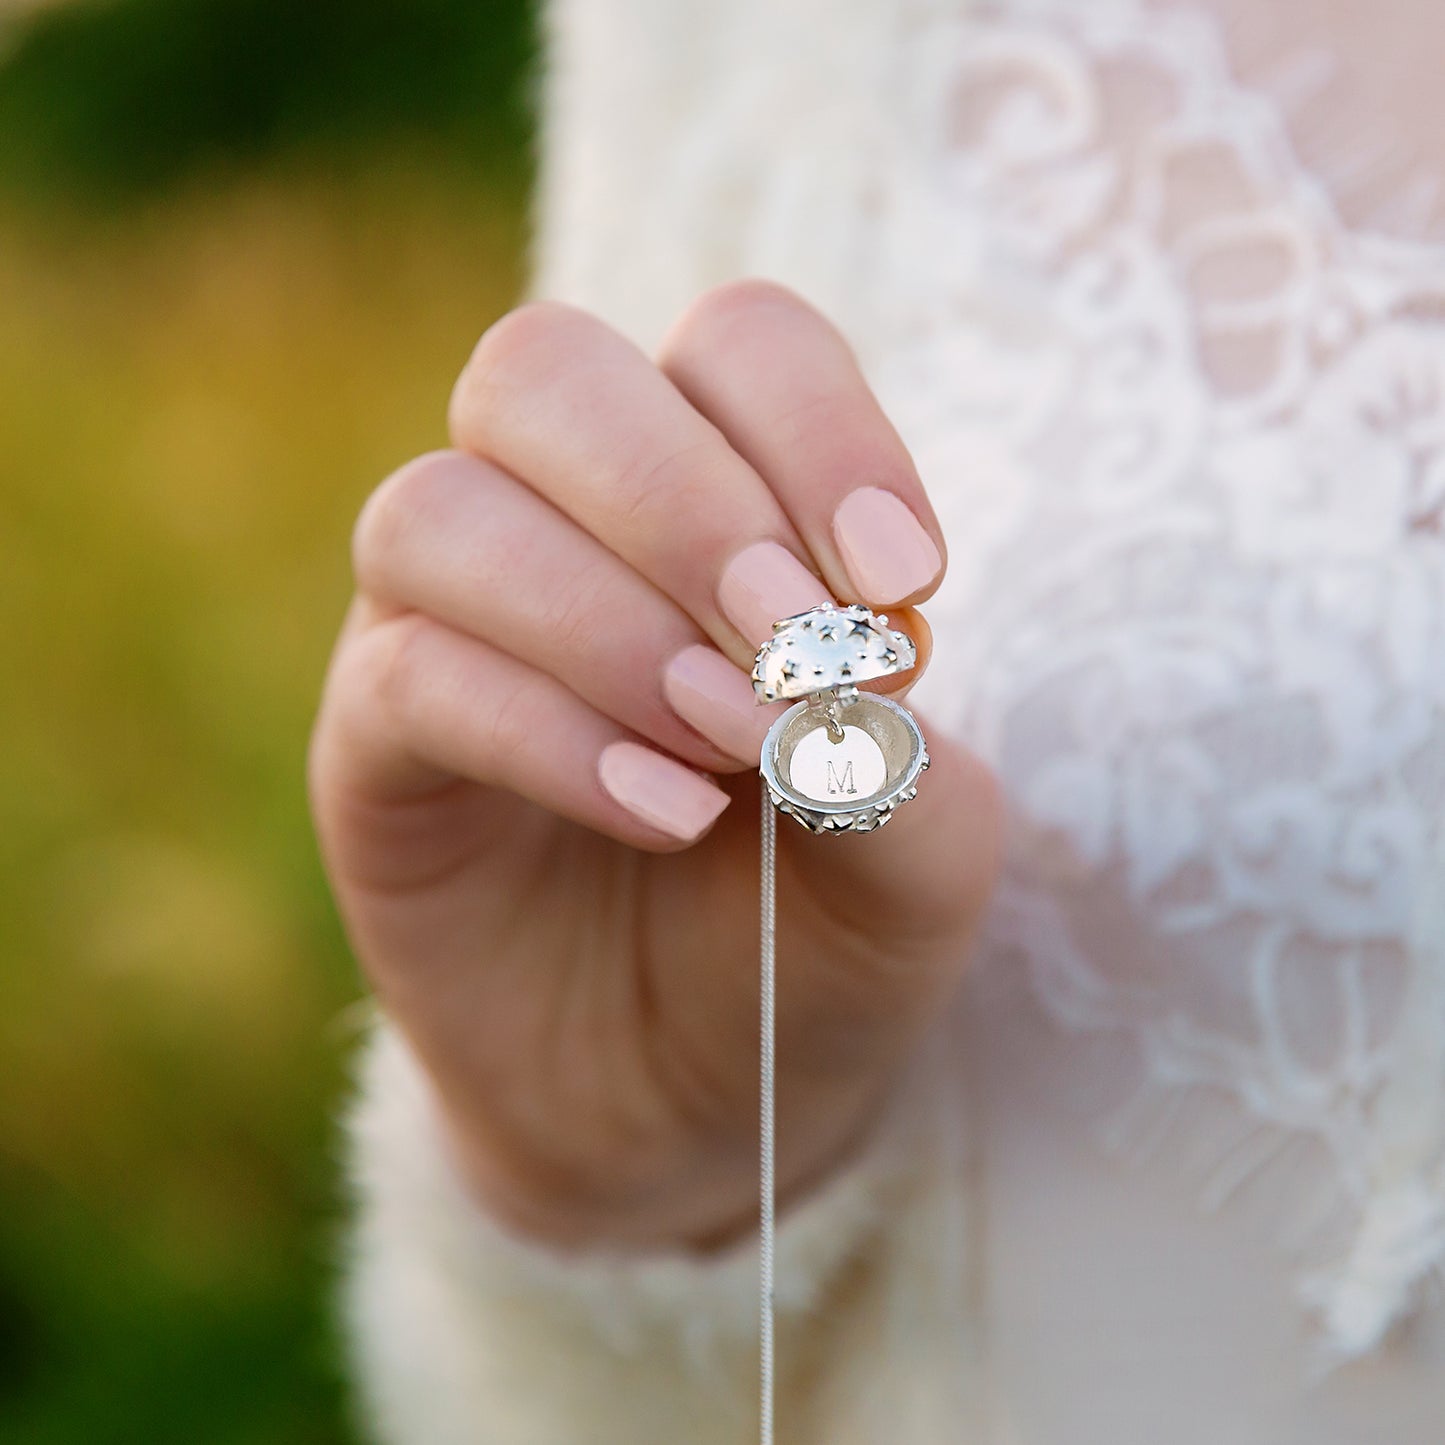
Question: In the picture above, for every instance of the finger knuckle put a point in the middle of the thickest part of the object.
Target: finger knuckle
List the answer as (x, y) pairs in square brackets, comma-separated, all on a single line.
[(396, 511), (829, 417), (514, 352), (574, 614), (433, 687), (396, 663), (367, 688), (843, 437), (659, 491), (716, 313), (505, 729)]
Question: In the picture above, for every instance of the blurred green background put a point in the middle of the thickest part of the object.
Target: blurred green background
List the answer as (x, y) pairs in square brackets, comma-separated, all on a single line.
[(245, 246)]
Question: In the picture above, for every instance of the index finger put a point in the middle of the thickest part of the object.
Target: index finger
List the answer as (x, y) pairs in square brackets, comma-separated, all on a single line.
[(781, 383)]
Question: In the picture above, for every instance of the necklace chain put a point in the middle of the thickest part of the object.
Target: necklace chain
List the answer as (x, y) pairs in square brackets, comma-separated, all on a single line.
[(767, 1094)]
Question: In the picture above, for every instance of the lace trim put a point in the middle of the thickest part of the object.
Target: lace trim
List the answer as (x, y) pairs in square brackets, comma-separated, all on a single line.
[(1197, 462)]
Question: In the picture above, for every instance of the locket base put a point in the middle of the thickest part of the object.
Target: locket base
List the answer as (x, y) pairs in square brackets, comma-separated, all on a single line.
[(843, 761)]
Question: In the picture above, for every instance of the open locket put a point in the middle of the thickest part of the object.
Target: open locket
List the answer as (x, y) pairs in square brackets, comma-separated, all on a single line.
[(840, 760)]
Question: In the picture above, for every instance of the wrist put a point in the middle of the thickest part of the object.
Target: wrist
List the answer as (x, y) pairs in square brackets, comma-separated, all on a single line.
[(680, 1193)]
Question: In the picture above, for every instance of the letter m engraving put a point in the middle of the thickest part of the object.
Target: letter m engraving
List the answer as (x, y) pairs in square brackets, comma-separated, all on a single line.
[(842, 784)]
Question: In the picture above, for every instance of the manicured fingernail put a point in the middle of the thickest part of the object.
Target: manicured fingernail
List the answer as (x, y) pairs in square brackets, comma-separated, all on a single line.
[(763, 583), (884, 547), (661, 792), (706, 691)]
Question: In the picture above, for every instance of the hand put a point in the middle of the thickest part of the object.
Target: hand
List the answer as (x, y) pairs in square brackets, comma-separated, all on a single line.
[(546, 659)]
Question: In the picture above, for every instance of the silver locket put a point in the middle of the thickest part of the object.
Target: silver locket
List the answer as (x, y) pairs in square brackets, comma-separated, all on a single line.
[(840, 760)]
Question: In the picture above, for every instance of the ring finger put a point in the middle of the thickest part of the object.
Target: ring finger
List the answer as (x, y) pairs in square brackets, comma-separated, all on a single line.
[(454, 537)]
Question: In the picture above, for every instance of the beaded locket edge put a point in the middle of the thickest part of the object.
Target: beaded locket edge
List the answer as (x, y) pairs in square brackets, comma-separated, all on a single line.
[(819, 657)]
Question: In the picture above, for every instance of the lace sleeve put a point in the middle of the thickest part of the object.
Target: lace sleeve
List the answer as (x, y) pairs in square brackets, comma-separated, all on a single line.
[(1197, 463)]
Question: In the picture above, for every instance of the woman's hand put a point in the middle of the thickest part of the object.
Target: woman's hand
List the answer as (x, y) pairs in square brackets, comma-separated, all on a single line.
[(545, 661)]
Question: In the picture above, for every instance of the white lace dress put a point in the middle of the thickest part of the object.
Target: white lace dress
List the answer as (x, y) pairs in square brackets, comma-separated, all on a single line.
[(1156, 294)]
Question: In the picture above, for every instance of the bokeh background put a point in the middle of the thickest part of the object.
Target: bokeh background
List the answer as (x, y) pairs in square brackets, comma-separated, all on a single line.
[(245, 246)]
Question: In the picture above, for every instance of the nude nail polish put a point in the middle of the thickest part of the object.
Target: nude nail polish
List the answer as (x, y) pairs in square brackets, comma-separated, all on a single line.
[(660, 791), (763, 583), (712, 695), (887, 554)]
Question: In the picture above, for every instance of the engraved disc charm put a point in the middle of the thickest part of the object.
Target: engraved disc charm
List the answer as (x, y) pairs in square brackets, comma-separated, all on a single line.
[(839, 760)]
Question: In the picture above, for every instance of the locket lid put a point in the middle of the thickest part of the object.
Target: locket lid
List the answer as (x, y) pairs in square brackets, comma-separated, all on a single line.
[(829, 647)]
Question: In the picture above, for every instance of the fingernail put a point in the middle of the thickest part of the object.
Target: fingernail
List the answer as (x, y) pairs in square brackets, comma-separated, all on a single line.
[(706, 691), (763, 583), (662, 793), (884, 547)]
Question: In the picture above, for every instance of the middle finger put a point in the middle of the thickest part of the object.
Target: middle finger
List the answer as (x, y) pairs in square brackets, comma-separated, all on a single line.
[(561, 401)]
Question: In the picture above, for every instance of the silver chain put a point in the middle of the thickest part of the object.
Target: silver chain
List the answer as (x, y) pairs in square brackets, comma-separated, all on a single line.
[(767, 1094), (817, 636)]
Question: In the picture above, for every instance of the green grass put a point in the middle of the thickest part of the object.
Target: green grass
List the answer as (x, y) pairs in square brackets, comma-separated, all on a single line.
[(116, 98), (197, 390)]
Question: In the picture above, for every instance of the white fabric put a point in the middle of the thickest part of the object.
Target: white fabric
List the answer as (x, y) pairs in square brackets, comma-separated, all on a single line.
[(1157, 297), (463, 1333)]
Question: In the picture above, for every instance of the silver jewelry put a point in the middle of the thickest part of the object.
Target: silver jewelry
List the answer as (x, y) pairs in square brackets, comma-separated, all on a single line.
[(838, 761)]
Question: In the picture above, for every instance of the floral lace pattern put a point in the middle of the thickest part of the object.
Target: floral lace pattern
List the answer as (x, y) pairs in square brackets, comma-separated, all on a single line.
[(1195, 436)]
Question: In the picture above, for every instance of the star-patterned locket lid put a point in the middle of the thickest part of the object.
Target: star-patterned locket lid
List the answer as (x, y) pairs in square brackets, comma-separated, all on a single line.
[(829, 646)]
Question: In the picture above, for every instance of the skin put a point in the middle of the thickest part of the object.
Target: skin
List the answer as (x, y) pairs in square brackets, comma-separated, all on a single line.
[(580, 986)]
